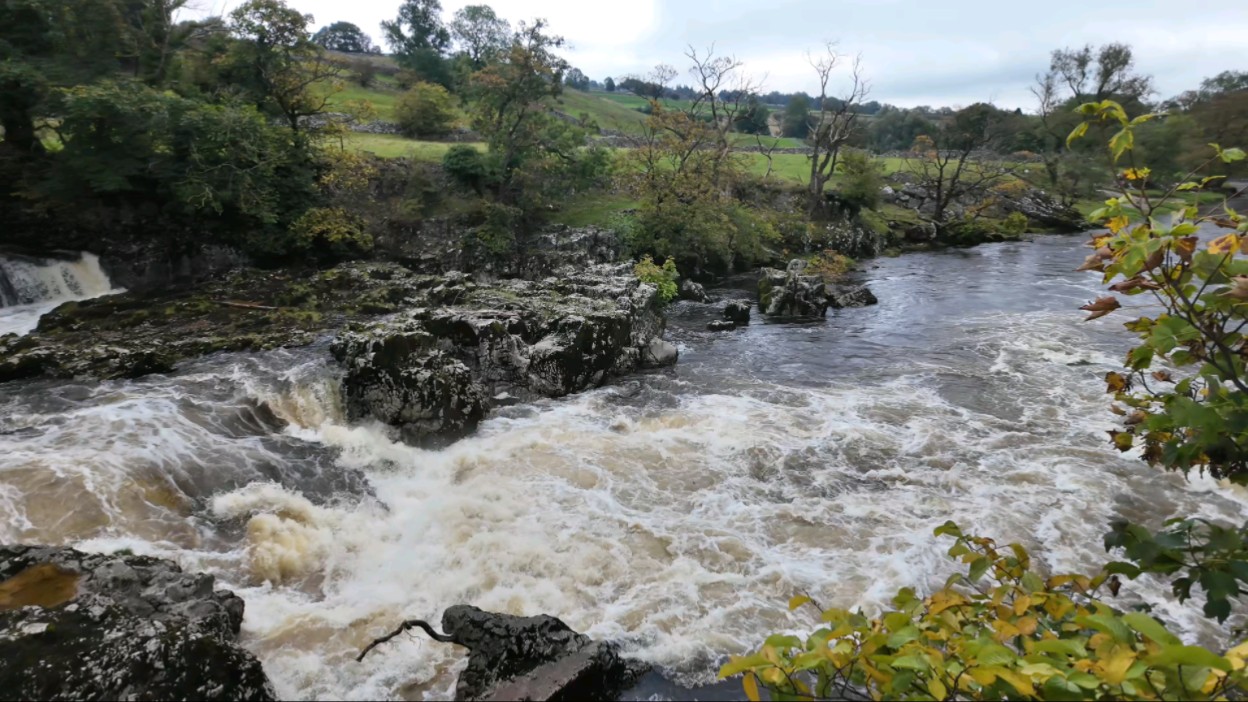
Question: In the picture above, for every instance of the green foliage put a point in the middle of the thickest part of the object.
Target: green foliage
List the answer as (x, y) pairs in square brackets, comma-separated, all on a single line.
[(466, 166), (1212, 555), (426, 110), (496, 235), (345, 37), (1014, 225), (331, 234), (663, 277), (863, 179), (999, 631), (796, 122)]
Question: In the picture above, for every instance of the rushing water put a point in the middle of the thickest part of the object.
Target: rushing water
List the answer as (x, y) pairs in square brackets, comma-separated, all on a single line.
[(675, 511), (30, 287)]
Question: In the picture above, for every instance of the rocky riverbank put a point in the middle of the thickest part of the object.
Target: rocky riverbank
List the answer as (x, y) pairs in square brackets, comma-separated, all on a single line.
[(83, 626)]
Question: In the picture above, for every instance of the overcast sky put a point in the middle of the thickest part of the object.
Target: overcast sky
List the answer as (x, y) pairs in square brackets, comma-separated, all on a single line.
[(916, 52)]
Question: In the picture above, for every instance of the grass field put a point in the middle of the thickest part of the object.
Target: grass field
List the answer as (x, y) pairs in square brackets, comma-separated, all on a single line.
[(394, 146), (608, 114)]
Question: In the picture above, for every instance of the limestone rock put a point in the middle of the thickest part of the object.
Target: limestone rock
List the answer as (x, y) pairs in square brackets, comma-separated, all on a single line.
[(737, 312), (790, 293), (82, 626), (690, 290), (859, 296)]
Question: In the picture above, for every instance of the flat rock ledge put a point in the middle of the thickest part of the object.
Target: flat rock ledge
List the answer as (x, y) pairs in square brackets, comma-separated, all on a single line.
[(85, 626), (436, 371)]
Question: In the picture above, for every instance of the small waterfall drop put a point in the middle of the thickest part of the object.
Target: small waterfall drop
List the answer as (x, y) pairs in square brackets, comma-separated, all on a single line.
[(30, 287)]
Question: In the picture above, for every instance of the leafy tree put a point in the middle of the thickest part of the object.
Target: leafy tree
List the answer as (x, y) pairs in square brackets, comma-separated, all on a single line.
[(755, 119), (896, 129), (663, 277), (610, 84), (509, 102), (51, 45), (425, 110), (797, 117), (345, 37), (417, 28), (576, 79), (284, 72), (480, 33)]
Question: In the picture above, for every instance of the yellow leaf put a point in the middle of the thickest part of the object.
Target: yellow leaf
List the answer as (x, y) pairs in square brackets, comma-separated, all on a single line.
[(937, 688), (1115, 666), (1224, 244), (751, 687), (983, 676), (1019, 682), (1027, 625), (1022, 604), (1117, 224), (798, 601), (1136, 173)]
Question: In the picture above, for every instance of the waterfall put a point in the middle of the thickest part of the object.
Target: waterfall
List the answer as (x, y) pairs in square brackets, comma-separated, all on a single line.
[(25, 281), (29, 287)]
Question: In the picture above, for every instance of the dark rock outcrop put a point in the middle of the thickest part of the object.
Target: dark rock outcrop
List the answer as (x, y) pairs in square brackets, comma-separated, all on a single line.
[(790, 293), (533, 658), (433, 370), (82, 626), (859, 296), (737, 312), (692, 291)]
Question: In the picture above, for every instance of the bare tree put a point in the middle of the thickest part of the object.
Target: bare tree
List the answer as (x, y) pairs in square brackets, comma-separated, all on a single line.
[(960, 162), (723, 93), (834, 127)]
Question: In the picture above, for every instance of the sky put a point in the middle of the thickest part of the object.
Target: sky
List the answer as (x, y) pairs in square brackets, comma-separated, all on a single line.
[(914, 52)]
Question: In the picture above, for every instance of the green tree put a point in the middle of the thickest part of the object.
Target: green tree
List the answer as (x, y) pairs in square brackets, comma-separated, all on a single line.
[(862, 179), (610, 84), (755, 119), (419, 41), (797, 117), (284, 73), (510, 102), (345, 37), (425, 110), (480, 34)]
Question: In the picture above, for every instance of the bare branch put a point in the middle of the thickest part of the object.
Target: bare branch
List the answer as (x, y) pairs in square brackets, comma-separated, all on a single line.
[(405, 626)]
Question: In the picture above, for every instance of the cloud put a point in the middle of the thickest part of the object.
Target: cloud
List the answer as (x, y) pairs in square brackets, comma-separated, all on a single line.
[(915, 51)]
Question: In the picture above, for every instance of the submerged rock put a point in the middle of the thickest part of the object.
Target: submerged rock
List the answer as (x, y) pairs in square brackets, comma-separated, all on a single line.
[(84, 626), (721, 325), (737, 312), (791, 293), (690, 290), (433, 370), (859, 296)]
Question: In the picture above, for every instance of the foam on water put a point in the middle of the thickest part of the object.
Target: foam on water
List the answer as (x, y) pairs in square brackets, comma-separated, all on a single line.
[(674, 512), (30, 288)]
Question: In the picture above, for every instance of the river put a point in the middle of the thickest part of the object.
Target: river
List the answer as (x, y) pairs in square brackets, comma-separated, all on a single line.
[(675, 511)]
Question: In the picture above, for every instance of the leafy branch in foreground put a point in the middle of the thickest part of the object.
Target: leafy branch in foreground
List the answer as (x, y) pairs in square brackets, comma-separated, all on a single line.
[(998, 631)]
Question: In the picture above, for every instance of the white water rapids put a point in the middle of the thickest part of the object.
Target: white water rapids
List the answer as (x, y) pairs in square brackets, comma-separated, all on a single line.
[(29, 288), (676, 512)]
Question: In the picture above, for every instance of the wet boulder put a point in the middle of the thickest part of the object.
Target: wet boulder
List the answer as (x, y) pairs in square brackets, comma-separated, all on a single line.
[(533, 658), (692, 291), (87, 626), (434, 371), (859, 296), (737, 312), (791, 293), (721, 325)]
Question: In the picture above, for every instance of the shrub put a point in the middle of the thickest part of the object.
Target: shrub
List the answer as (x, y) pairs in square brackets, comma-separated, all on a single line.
[(664, 277), (1015, 224), (466, 166), (830, 265), (425, 110), (331, 234), (862, 181)]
